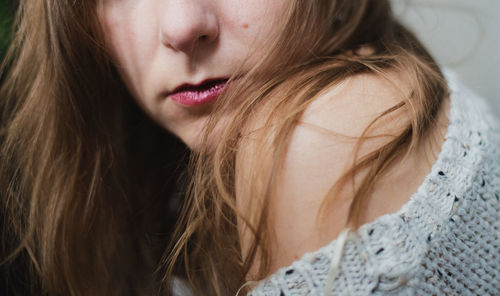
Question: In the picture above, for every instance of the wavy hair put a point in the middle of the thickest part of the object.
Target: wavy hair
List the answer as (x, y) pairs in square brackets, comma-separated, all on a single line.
[(82, 199), (320, 44), (80, 195)]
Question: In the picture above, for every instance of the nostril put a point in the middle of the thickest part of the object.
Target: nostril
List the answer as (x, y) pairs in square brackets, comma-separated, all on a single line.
[(203, 38)]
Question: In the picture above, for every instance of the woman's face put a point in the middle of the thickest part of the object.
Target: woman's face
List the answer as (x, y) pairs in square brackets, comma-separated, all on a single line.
[(175, 55)]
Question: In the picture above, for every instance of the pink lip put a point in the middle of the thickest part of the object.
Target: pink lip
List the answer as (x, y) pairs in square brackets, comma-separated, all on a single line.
[(192, 95)]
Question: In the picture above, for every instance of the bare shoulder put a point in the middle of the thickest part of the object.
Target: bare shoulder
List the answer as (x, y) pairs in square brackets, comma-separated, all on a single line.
[(322, 148), (349, 106)]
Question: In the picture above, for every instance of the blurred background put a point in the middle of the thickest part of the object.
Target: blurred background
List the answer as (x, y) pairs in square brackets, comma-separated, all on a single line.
[(462, 34), (6, 11)]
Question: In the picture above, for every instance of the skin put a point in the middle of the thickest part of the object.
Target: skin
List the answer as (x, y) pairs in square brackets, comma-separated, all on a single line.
[(321, 149), (159, 45), (316, 158)]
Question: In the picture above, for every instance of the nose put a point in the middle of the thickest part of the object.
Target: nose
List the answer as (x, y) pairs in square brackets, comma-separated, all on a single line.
[(185, 25)]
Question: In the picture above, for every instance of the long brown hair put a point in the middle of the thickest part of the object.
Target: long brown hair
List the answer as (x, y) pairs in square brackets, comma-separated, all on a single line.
[(81, 195), (75, 197), (319, 45)]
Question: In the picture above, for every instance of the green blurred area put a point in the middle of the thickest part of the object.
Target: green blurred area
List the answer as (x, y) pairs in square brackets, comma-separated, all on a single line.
[(6, 16)]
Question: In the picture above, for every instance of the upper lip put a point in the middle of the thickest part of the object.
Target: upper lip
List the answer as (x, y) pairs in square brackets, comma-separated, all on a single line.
[(193, 87)]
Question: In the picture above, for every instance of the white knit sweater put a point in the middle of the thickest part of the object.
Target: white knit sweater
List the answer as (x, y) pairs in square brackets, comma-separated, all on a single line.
[(444, 241)]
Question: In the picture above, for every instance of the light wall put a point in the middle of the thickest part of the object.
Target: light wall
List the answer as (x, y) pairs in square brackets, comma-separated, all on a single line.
[(463, 35)]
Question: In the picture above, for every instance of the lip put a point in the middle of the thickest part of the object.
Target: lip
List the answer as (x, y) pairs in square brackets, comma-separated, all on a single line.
[(202, 93)]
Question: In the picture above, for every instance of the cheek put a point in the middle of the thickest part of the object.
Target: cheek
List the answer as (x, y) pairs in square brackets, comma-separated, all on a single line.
[(129, 41), (256, 23)]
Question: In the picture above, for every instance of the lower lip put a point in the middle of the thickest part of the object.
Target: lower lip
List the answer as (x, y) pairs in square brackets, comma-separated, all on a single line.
[(198, 97)]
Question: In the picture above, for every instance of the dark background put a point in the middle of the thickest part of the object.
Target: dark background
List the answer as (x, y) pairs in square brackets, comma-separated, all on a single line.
[(6, 17)]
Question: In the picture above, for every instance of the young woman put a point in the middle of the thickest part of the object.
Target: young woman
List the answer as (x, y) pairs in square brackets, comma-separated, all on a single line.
[(329, 154)]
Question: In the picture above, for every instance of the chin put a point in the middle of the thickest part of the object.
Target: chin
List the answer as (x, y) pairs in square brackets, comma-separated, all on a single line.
[(195, 142), (192, 134)]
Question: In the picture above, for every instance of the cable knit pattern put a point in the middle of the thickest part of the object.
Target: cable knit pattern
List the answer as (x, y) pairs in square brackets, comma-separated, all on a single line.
[(444, 241)]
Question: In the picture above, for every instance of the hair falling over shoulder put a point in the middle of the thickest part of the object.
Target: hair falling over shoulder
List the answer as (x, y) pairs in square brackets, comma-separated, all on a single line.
[(320, 44), (72, 203)]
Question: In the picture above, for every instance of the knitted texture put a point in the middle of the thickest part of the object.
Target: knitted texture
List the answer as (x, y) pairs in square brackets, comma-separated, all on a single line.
[(444, 241)]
